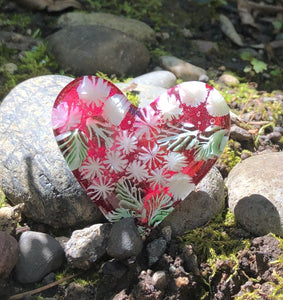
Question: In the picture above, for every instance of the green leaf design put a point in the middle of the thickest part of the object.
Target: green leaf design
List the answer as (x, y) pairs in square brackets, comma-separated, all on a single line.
[(212, 146), (129, 195), (160, 207), (120, 213), (184, 138), (74, 148)]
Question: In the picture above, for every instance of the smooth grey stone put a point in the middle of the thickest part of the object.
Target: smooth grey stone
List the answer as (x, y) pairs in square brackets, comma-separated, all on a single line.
[(87, 49), (32, 168), (162, 78), (124, 240), (40, 254), (255, 193), (134, 28), (199, 207), (87, 245)]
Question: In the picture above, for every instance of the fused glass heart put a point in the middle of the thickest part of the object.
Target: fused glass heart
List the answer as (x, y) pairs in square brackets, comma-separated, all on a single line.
[(139, 161)]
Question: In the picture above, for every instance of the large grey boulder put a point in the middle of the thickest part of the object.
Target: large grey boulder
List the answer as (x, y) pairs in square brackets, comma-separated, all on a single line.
[(32, 168), (87, 49), (255, 193), (134, 28)]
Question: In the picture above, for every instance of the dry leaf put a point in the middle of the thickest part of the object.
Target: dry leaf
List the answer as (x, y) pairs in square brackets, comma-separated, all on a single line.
[(245, 14), (228, 29)]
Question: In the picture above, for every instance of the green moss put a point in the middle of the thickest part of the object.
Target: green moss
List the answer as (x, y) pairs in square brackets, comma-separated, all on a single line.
[(217, 238), (146, 10), (213, 243), (34, 63), (3, 201), (231, 155)]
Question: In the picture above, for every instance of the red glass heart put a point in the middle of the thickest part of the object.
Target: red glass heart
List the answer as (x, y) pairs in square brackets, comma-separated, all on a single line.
[(139, 161)]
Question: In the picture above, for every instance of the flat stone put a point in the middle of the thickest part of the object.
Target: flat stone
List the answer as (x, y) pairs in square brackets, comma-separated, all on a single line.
[(255, 193), (87, 49), (199, 207), (134, 28), (32, 168), (40, 254), (183, 69), (9, 250), (87, 245), (164, 79)]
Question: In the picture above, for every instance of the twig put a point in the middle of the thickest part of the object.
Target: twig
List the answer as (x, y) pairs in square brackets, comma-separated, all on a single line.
[(265, 7), (43, 288)]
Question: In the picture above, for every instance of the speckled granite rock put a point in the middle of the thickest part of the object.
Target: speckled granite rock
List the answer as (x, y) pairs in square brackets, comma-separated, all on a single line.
[(255, 193), (87, 245), (32, 168)]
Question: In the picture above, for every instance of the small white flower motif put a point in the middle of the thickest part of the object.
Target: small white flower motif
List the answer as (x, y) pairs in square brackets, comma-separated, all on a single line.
[(65, 118), (126, 143), (115, 109), (193, 93), (180, 185), (175, 161), (100, 188), (93, 91), (216, 105), (91, 168), (115, 162), (137, 171), (169, 106), (158, 177), (147, 124), (152, 156)]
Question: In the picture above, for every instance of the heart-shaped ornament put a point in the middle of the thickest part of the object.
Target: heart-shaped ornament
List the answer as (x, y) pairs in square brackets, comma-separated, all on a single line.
[(139, 161)]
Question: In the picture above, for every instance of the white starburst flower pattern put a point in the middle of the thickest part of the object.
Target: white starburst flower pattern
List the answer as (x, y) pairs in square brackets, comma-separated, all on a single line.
[(175, 161), (216, 105), (100, 188), (66, 118), (158, 177), (169, 106), (147, 123), (126, 143), (193, 93), (180, 185), (137, 171), (115, 162), (151, 155), (115, 109), (91, 168), (93, 91)]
